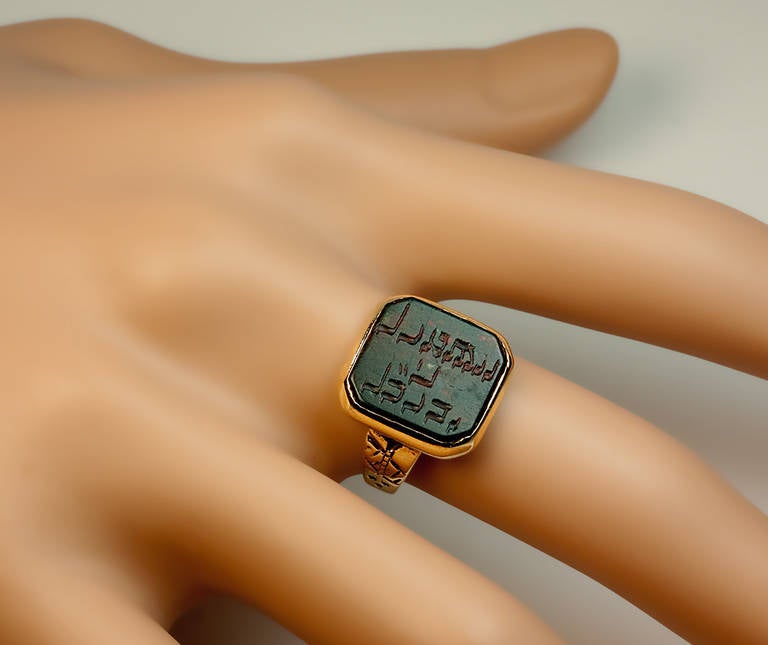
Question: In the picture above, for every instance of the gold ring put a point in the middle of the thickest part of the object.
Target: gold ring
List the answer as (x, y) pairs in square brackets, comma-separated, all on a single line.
[(424, 379)]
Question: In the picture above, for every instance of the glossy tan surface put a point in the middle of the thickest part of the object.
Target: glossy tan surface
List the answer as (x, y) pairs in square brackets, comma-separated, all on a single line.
[(190, 224)]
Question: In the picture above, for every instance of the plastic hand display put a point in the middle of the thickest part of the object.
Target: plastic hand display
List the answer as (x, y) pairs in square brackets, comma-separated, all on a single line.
[(189, 251)]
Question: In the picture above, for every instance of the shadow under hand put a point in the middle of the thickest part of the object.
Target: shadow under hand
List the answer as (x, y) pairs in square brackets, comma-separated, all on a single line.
[(221, 620)]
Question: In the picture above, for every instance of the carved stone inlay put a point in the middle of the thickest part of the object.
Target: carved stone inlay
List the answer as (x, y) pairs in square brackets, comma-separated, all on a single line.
[(427, 372)]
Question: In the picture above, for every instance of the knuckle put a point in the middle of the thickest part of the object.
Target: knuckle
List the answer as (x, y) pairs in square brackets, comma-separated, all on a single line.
[(88, 440), (70, 407), (52, 34), (97, 37), (73, 397), (52, 446), (286, 85), (221, 119), (254, 97), (289, 105), (168, 285), (79, 27), (281, 92)]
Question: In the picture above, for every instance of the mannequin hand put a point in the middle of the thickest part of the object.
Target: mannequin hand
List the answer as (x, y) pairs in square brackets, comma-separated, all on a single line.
[(189, 250)]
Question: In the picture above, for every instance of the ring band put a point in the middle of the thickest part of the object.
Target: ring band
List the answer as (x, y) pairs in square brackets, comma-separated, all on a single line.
[(424, 379), (387, 462)]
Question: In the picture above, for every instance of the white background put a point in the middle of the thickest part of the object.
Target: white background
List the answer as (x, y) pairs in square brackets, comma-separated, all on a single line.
[(689, 108)]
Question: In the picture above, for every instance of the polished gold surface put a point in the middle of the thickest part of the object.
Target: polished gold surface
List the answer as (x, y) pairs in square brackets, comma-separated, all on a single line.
[(387, 461)]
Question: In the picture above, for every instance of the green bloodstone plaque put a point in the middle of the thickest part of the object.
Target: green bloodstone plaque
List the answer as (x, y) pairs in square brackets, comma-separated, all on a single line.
[(430, 373)]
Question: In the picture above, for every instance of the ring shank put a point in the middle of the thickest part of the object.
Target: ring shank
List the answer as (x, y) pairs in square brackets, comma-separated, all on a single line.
[(387, 461)]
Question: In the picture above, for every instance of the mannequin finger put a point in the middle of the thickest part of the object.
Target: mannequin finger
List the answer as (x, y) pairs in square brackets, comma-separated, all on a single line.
[(65, 605), (261, 525), (608, 493), (447, 219), (522, 95)]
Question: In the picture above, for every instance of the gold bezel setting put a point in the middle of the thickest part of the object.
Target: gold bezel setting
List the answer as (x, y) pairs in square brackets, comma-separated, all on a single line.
[(426, 445)]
